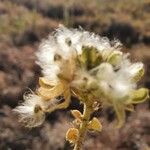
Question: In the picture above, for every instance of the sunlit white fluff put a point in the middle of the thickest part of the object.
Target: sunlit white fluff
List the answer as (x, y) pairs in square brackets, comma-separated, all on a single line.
[(66, 43), (69, 42), (115, 84), (32, 110)]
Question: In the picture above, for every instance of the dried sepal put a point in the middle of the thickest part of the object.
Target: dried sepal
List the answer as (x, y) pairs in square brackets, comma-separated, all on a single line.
[(49, 93), (95, 125), (72, 135), (43, 82), (77, 114), (66, 95)]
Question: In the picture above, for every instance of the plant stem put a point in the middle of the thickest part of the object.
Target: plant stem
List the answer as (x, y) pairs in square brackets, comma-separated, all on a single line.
[(83, 127)]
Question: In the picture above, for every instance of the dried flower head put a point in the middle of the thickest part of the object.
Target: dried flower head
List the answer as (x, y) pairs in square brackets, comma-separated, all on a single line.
[(83, 64), (32, 110)]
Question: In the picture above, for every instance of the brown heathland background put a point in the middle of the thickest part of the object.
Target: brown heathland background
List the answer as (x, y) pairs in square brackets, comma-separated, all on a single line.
[(23, 24)]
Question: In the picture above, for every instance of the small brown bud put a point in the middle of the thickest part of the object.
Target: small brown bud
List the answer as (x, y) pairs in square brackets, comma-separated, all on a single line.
[(72, 135)]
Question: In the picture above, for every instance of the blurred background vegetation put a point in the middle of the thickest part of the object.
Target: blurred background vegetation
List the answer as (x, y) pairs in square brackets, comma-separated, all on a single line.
[(24, 23)]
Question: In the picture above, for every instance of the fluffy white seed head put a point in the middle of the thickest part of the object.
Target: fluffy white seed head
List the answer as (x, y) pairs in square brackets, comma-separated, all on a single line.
[(32, 110), (81, 63), (113, 74)]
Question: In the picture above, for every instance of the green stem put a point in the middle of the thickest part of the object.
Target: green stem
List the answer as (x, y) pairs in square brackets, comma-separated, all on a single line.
[(83, 127)]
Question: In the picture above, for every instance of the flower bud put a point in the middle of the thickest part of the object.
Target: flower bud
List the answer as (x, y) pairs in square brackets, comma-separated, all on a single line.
[(140, 95), (115, 57), (95, 124), (90, 57), (77, 114), (72, 135)]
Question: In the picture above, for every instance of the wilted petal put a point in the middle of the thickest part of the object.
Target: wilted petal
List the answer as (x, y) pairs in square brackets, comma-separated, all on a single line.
[(140, 95)]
